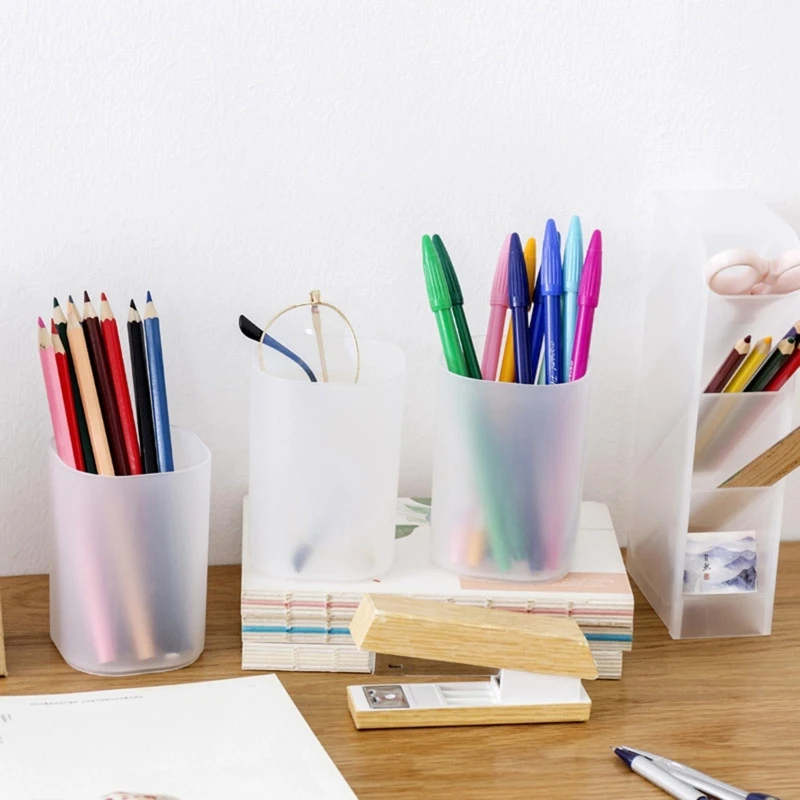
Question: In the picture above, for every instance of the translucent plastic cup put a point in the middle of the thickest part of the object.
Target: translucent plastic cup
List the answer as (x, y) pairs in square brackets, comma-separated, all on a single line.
[(324, 467), (129, 564), (507, 477)]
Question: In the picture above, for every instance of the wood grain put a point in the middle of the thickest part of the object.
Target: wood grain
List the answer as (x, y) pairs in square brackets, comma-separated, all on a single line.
[(2, 647), (470, 635), (468, 715), (769, 467), (730, 707)]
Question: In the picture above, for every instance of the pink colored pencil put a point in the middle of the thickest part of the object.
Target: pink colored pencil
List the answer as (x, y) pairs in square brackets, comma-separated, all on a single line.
[(55, 400), (588, 298), (497, 316)]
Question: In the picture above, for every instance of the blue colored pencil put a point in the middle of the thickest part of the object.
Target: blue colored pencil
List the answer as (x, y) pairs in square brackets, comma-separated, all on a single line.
[(158, 386)]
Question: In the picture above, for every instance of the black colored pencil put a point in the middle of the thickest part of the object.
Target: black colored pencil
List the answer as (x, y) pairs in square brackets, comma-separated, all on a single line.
[(141, 391), (83, 429)]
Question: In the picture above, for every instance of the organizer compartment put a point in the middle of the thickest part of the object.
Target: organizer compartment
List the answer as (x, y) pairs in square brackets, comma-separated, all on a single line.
[(688, 442)]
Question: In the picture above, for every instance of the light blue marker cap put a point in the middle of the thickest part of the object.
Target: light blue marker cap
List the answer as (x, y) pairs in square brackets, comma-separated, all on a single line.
[(573, 256)]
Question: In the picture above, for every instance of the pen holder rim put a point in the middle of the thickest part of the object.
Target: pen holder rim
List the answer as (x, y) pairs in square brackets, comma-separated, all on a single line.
[(196, 465)]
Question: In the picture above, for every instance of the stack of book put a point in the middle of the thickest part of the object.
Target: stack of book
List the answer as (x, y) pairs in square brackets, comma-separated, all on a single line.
[(290, 624)]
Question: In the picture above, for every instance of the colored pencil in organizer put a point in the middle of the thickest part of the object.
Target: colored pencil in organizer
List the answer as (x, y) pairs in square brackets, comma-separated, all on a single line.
[(729, 366), (105, 387), (158, 386), (60, 321), (55, 400), (88, 393), (790, 366), (508, 369), (770, 368), (116, 365), (69, 399), (749, 366), (141, 391)]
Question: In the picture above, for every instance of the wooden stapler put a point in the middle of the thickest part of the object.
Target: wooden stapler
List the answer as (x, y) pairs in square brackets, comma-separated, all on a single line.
[(541, 661)]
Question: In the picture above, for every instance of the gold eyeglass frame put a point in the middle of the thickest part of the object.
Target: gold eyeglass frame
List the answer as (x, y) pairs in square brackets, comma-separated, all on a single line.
[(314, 303)]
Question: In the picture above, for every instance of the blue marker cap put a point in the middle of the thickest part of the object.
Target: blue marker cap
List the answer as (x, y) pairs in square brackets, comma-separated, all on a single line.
[(518, 293), (573, 256), (550, 271)]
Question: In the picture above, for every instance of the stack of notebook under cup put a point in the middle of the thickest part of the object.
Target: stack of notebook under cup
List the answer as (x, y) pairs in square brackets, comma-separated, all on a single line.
[(303, 625)]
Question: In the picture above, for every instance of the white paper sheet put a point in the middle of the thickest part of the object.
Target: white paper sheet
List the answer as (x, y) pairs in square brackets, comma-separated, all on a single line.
[(240, 739)]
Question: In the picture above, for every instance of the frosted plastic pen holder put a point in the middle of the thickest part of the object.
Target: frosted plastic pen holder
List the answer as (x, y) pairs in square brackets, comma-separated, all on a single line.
[(324, 466), (507, 477), (129, 564)]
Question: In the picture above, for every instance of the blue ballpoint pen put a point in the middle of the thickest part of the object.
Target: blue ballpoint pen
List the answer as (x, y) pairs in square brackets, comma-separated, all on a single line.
[(536, 329), (573, 264), (552, 286), (699, 780), (518, 298)]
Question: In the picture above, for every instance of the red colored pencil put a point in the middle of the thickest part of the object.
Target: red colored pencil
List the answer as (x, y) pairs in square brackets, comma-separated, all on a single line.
[(784, 373), (729, 366), (117, 366), (69, 400), (105, 387)]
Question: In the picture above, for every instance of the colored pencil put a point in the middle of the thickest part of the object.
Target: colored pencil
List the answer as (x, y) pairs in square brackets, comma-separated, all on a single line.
[(88, 394), (141, 391), (69, 400), (790, 366), (749, 366), (508, 369), (105, 387), (729, 366), (55, 400), (83, 429), (116, 365), (158, 386), (774, 361)]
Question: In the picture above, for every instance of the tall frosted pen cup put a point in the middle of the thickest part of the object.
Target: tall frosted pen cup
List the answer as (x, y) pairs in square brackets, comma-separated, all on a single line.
[(324, 464), (129, 564), (507, 477)]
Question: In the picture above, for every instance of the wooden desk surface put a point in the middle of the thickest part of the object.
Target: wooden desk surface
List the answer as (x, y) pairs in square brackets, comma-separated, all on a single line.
[(730, 707)]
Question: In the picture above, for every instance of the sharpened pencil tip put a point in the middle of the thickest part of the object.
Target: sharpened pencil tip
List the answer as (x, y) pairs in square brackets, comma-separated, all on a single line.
[(41, 322), (86, 297), (133, 305), (69, 297), (149, 297), (55, 302), (103, 296)]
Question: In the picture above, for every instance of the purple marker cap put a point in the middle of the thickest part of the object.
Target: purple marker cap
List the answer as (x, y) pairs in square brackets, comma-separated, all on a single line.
[(499, 293), (551, 272), (589, 293)]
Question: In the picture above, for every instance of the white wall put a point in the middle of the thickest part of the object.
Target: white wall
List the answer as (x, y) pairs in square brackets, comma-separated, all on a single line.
[(229, 156)]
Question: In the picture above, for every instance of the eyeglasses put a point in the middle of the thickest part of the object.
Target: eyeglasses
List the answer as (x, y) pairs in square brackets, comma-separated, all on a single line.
[(329, 343), (742, 271)]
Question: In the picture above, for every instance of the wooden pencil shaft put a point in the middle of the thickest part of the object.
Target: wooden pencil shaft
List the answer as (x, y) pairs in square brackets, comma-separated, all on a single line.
[(771, 365), (141, 393), (729, 366), (467, 635), (89, 398), (158, 390), (105, 391), (769, 467), (122, 396), (80, 414)]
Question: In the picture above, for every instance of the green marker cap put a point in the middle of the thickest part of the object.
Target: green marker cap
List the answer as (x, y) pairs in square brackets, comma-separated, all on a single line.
[(453, 286), (435, 283)]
